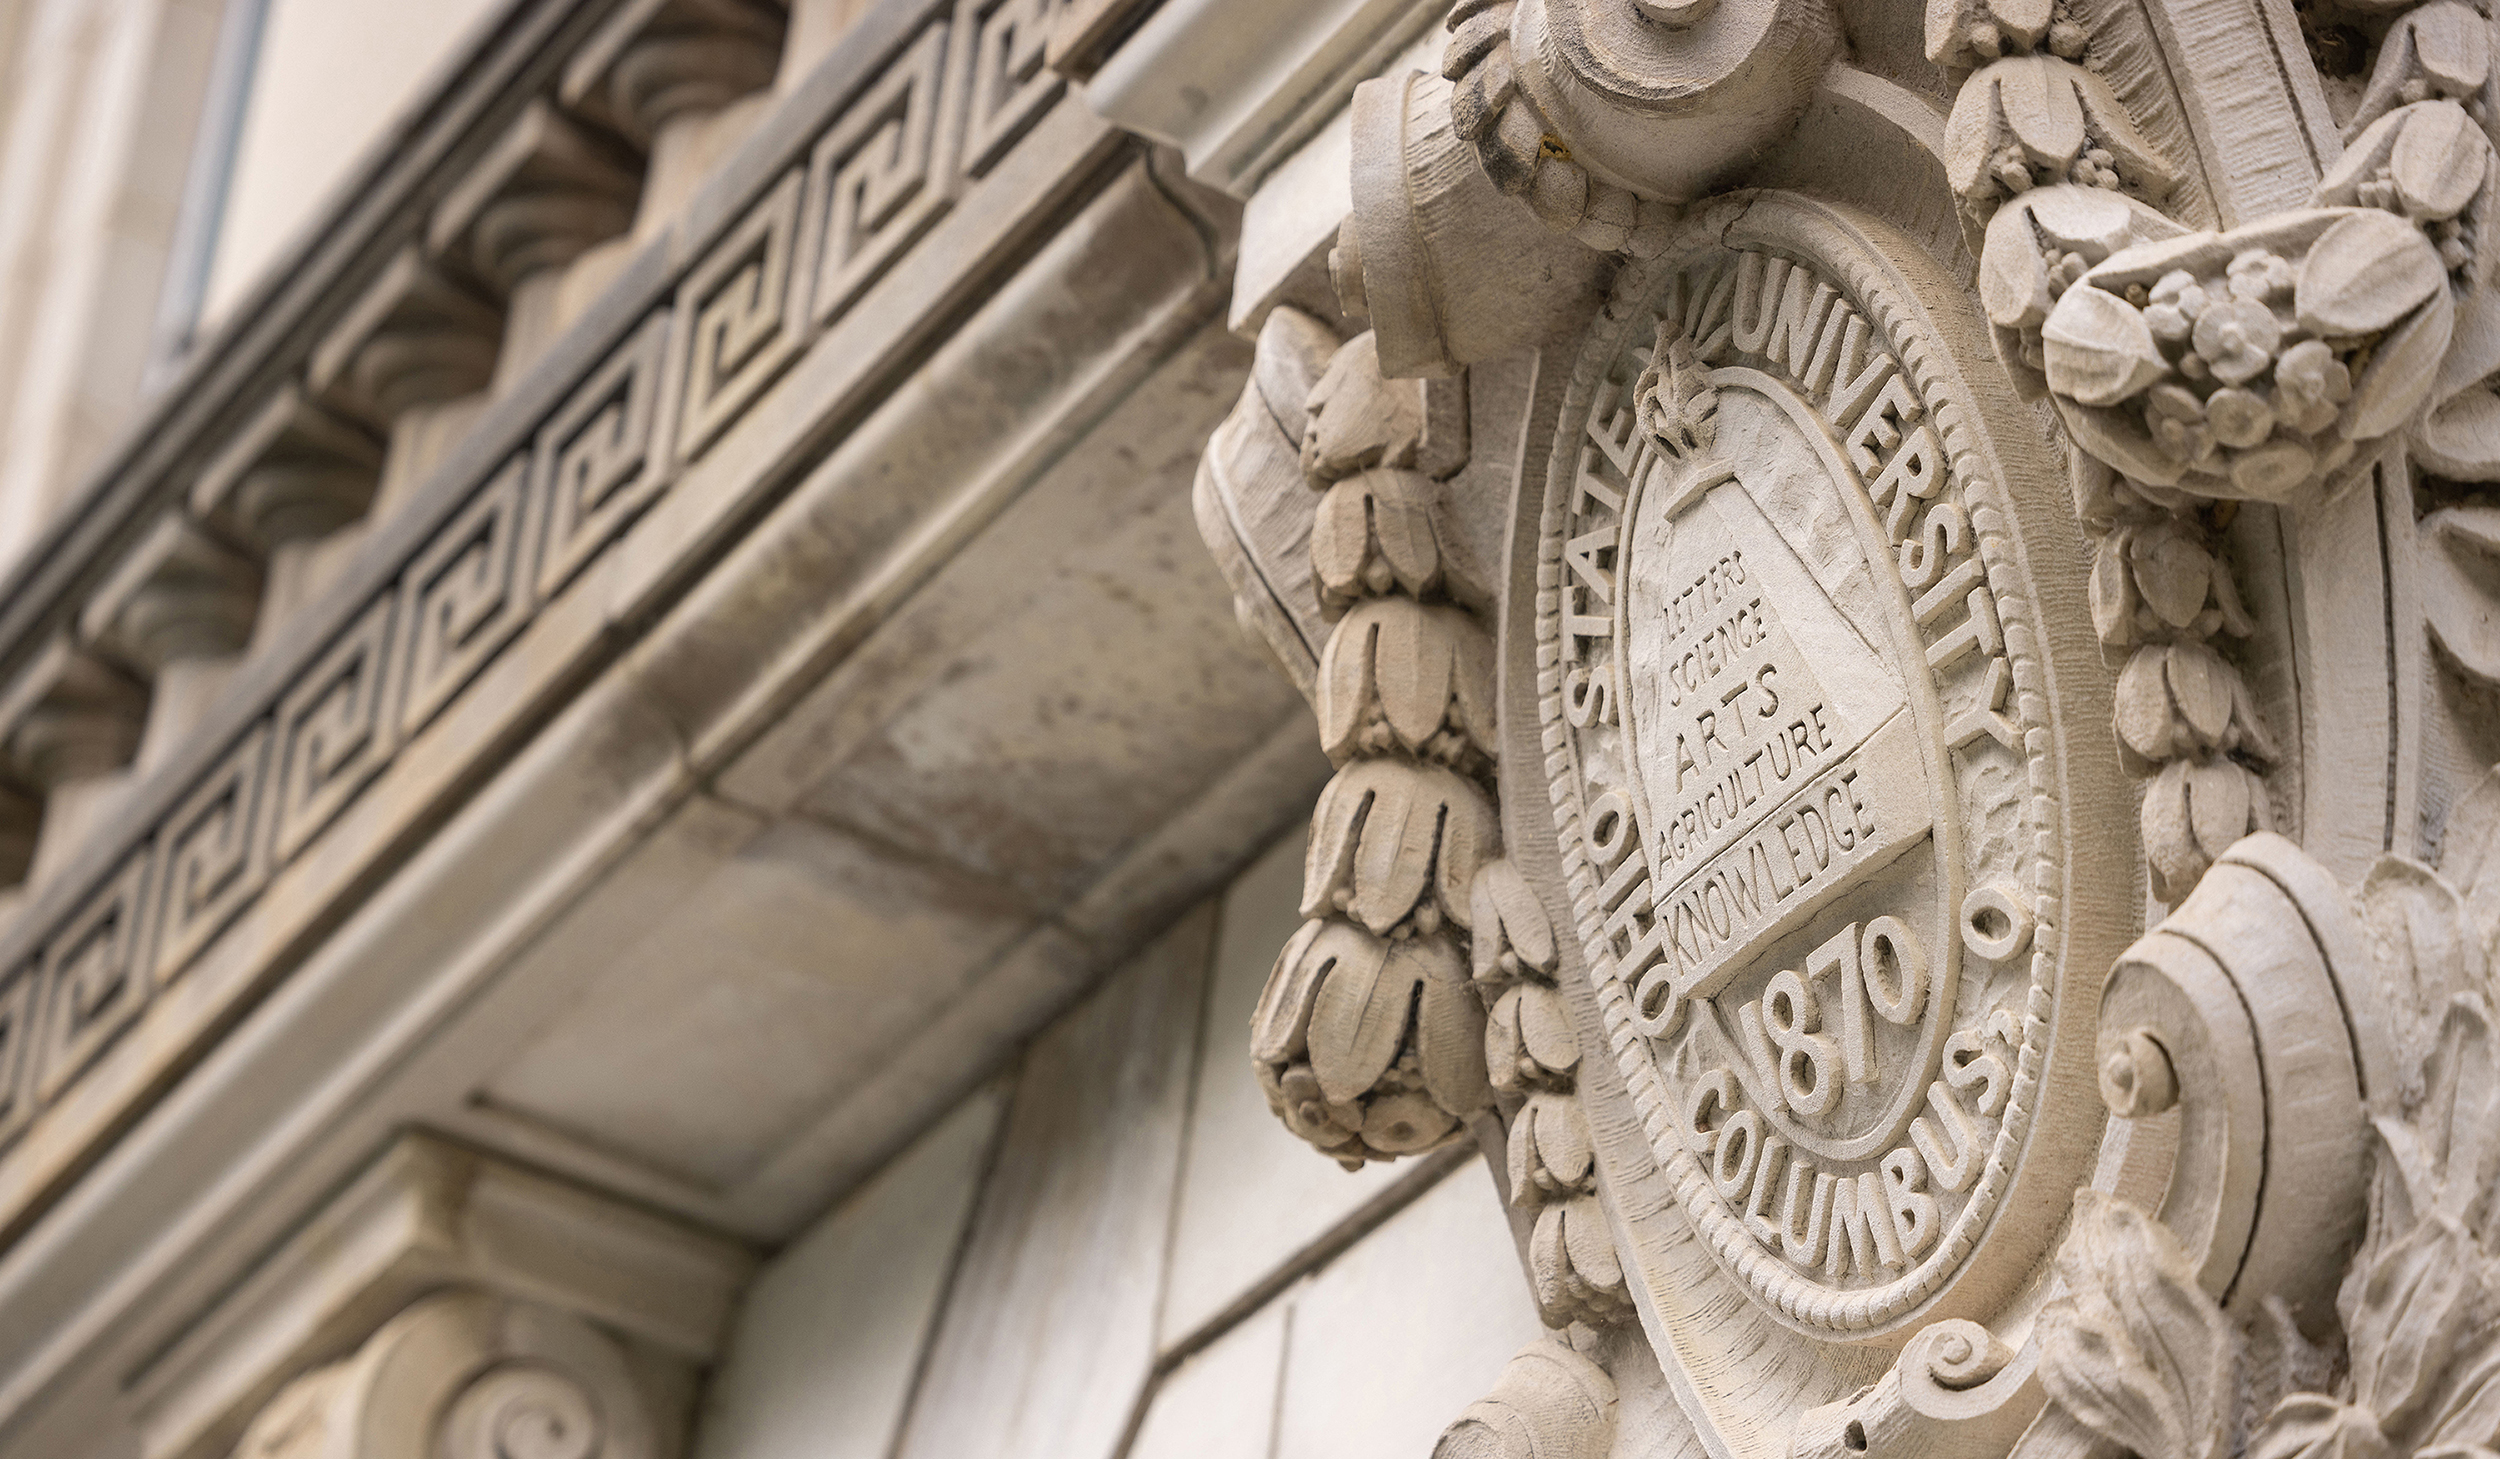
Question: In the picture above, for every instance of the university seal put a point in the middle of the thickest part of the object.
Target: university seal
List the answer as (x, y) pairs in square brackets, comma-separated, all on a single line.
[(1801, 623)]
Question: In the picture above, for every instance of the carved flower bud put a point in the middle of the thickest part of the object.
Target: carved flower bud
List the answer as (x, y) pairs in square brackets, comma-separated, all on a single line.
[(1513, 938), (1401, 675), (2429, 161), (1371, 1047), (2157, 580), (1357, 419), (1374, 533), (2030, 121), (1974, 32), (1529, 1042), (1549, 1150), (2027, 266), (2179, 701), (2236, 337), (1579, 1278), (2440, 50), (1391, 840), (2193, 812)]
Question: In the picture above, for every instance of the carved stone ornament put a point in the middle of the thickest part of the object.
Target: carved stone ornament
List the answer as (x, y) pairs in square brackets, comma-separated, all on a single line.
[(1799, 713), (464, 1375), (1965, 527)]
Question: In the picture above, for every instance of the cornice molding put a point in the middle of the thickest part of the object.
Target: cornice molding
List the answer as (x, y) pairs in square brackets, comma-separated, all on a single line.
[(702, 320)]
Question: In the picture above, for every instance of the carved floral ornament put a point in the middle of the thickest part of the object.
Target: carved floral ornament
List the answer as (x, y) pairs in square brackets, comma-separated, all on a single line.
[(1792, 1029)]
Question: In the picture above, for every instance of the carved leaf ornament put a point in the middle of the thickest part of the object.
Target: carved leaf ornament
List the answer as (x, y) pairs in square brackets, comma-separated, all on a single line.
[(2133, 1347), (1419, 993)]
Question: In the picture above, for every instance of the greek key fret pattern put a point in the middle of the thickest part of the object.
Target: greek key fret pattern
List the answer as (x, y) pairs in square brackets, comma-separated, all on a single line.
[(880, 175), (17, 1046), (94, 977), (465, 596), (598, 460), (850, 202), (741, 326), (1007, 86), (332, 736), (215, 858)]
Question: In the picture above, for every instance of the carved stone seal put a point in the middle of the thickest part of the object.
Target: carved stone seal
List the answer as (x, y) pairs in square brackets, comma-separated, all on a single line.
[(1807, 627)]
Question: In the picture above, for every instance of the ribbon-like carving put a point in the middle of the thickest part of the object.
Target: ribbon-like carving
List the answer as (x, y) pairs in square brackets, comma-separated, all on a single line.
[(1550, 1403)]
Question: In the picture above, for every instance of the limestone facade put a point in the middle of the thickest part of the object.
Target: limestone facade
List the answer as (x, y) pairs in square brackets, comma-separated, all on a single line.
[(737, 755)]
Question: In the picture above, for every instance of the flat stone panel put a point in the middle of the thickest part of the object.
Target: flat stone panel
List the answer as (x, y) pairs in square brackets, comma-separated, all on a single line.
[(1251, 1194), (821, 1360), (1070, 677), (1049, 1334), (1413, 1324), (769, 995), (1221, 1402)]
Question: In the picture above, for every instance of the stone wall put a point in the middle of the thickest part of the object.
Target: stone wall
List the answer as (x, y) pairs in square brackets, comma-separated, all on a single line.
[(1115, 1249)]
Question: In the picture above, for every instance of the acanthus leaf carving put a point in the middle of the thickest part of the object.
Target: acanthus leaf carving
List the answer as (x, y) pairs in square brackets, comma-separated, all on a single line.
[(2132, 1346), (1551, 1402)]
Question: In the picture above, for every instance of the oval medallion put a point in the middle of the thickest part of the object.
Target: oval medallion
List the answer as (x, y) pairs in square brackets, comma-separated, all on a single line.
[(1796, 713)]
